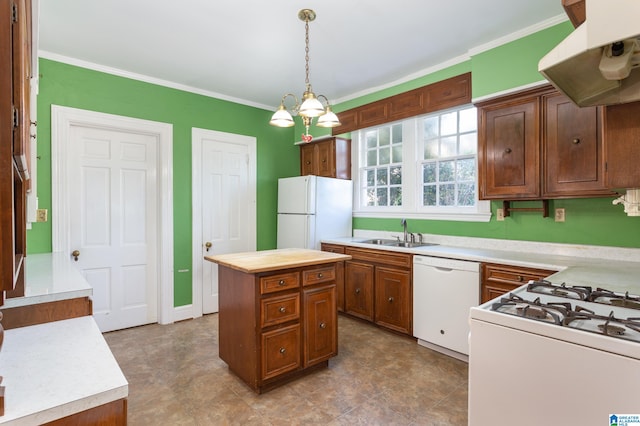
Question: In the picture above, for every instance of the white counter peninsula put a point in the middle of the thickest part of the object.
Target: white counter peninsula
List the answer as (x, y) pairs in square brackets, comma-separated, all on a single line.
[(277, 313)]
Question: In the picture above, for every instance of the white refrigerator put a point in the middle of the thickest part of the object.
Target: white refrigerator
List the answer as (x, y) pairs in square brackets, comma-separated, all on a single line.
[(312, 208)]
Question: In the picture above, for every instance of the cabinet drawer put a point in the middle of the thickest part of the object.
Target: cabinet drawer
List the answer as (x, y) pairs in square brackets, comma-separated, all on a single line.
[(319, 275), (514, 275), (380, 256), (332, 248), (280, 351), (279, 282), (279, 309)]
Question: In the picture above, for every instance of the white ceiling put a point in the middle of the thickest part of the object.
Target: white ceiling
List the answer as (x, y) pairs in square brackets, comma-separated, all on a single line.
[(252, 51)]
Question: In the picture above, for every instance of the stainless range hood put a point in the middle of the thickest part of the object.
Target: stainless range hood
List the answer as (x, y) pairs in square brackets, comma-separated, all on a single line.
[(599, 62)]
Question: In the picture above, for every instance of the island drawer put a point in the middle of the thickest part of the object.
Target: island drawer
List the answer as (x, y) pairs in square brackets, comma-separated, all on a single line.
[(319, 275), (279, 309), (280, 351), (279, 282)]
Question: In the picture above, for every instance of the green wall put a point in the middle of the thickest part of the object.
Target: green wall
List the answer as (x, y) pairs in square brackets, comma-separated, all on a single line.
[(71, 86), (511, 65), (588, 221)]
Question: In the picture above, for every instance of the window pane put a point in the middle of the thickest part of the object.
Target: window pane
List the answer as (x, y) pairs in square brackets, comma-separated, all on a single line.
[(396, 133), (447, 169), (396, 175), (429, 173), (372, 158), (371, 177), (385, 155), (396, 154), (431, 127), (382, 176), (382, 197), (468, 120), (371, 197), (396, 196), (384, 136), (468, 143), (429, 195), (430, 149), (466, 169), (466, 194), (447, 194), (449, 123), (448, 146), (372, 139)]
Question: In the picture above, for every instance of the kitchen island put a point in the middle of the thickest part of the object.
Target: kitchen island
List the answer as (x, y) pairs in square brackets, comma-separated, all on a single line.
[(277, 313)]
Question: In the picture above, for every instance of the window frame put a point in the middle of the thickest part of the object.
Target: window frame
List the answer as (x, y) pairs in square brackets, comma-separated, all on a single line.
[(411, 178)]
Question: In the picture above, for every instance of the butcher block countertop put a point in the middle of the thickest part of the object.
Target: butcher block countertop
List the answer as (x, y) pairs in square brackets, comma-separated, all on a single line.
[(274, 260)]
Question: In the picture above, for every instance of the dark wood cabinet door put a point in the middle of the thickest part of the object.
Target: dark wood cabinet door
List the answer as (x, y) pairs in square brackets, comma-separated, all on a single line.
[(622, 142), (358, 289), (326, 158), (573, 154), (393, 299), (509, 149), (320, 324), (307, 160), (280, 351)]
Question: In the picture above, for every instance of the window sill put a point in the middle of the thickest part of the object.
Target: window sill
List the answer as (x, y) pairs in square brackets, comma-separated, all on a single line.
[(460, 217)]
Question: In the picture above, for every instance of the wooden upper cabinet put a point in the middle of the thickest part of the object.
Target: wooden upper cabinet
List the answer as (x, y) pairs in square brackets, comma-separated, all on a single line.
[(509, 149), (572, 149), (575, 10), (328, 157), (622, 140)]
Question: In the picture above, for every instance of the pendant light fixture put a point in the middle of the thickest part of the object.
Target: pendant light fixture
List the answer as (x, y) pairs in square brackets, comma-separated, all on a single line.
[(311, 106)]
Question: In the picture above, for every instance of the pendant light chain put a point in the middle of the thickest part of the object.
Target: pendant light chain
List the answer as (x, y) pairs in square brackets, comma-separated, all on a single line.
[(306, 51)]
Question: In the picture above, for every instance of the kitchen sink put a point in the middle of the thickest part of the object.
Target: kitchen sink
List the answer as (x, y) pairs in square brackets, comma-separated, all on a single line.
[(377, 241), (409, 244)]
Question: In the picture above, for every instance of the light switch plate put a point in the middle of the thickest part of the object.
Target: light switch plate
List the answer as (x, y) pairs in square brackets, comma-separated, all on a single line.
[(41, 215), (559, 215), (500, 214)]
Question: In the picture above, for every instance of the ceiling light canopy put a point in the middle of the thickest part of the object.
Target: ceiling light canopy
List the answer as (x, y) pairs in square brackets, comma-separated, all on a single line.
[(311, 106)]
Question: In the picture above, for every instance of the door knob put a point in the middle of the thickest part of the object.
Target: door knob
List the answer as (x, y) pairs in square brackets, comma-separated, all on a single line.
[(75, 254), (207, 245)]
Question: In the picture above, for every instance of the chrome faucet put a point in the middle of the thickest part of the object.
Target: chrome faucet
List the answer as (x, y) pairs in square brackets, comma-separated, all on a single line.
[(403, 222)]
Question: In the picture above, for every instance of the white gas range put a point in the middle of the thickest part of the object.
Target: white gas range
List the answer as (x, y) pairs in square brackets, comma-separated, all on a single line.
[(555, 354)]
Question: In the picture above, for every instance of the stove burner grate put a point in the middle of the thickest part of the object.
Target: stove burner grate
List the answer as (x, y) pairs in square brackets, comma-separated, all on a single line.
[(608, 297), (622, 328), (547, 287), (546, 312)]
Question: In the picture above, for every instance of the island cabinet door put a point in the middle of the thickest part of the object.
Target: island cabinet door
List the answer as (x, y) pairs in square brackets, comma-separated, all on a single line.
[(358, 289), (280, 351), (320, 324)]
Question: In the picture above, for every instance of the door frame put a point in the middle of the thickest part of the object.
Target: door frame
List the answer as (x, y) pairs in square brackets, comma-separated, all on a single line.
[(196, 187), (62, 119)]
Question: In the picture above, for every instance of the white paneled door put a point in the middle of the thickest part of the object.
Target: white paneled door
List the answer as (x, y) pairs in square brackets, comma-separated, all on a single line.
[(224, 197), (114, 222)]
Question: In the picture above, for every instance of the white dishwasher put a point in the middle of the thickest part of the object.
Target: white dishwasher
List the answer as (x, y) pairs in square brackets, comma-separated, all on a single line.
[(443, 292)]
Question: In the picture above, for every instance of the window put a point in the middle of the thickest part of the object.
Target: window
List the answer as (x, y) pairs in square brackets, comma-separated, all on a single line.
[(423, 167)]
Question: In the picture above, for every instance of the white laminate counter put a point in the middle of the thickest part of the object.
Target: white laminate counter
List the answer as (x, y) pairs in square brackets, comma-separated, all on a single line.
[(50, 277), (57, 369), (609, 267)]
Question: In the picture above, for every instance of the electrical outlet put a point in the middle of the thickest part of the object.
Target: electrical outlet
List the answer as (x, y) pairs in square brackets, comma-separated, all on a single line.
[(559, 215), (500, 214), (41, 215)]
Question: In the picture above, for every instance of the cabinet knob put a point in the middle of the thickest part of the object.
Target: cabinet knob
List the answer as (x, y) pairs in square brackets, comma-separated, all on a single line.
[(323, 325), (282, 309), (508, 150), (520, 278), (576, 141), (281, 282), (308, 162), (319, 274), (391, 300), (357, 291), (282, 350)]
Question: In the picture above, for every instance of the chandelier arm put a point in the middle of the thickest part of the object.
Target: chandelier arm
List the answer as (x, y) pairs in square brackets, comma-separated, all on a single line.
[(296, 105)]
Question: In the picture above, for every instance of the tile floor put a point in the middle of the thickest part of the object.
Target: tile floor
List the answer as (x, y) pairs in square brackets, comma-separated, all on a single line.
[(379, 378)]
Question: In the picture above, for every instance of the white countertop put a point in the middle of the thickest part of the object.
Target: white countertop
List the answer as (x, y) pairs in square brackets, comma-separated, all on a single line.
[(56, 369), (50, 277), (597, 266)]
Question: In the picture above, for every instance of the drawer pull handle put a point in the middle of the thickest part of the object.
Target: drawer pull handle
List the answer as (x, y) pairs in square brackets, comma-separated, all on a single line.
[(319, 274), (282, 309), (357, 291), (281, 282), (520, 278), (282, 350), (323, 325), (508, 150), (576, 141), (391, 300)]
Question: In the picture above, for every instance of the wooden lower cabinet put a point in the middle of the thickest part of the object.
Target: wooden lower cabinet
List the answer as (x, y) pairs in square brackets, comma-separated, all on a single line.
[(378, 288), (501, 279), (23, 316), (113, 414), (275, 326), (335, 248)]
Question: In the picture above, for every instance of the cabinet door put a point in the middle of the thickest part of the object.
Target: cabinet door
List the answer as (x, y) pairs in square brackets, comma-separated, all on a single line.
[(508, 154), (622, 135), (280, 351), (326, 158), (307, 160), (332, 248), (320, 324), (393, 299), (358, 289), (573, 159)]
